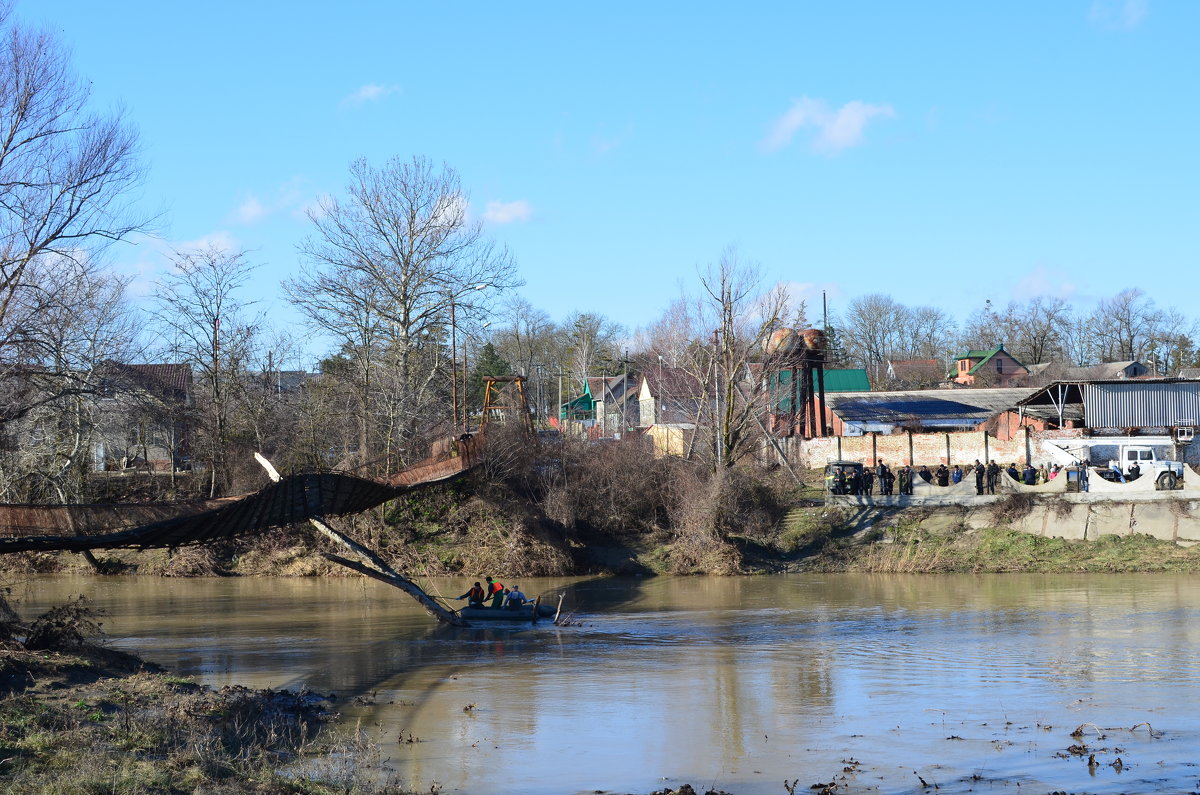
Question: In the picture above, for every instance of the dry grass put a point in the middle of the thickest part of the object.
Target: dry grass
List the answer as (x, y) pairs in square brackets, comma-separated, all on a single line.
[(75, 717), (914, 550)]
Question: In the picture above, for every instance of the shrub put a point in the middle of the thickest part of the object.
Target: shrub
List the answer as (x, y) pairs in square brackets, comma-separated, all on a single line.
[(68, 627)]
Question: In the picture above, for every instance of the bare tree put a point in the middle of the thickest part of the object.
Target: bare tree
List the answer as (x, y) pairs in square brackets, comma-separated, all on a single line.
[(928, 332), (1033, 333), (1078, 343), (72, 321), (590, 343), (386, 267), (66, 175), (872, 331), (1126, 325), (199, 305), (532, 343), (742, 319)]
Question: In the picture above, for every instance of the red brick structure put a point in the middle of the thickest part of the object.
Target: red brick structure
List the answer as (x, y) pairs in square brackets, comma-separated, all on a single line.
[(996, 367)]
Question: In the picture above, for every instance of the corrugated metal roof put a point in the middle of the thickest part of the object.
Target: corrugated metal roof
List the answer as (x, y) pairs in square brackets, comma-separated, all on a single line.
[(968, 405), (1141, 404)]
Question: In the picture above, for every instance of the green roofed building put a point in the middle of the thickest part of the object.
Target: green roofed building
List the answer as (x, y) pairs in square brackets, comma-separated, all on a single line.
[(996, 367), (780, 385), (783, 420)]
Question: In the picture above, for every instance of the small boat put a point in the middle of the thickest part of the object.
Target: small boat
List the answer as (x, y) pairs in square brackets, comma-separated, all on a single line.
[(522, 613)]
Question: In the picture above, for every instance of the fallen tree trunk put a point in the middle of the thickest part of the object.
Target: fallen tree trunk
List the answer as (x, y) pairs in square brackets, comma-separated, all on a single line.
[(375, 567)]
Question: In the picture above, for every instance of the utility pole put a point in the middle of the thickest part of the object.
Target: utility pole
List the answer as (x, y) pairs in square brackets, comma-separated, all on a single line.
[(625, 395), (453, 367), (718, 424)]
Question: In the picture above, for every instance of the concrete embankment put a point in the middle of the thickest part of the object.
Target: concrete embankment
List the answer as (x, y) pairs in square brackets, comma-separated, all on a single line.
[(1049, 510)]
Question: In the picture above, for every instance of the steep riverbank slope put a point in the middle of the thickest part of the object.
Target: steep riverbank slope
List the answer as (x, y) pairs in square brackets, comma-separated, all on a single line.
[(634, 517)]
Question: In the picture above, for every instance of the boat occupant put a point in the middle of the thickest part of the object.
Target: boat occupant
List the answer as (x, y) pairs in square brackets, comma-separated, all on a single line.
[(495, 592), (515, 598), (474, 596)]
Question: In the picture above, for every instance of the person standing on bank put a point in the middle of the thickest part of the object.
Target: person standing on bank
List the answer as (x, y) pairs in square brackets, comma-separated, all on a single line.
[(942, 475), (978, 477)]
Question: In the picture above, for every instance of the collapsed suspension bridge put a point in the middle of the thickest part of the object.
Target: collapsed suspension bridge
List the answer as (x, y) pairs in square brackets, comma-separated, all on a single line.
[(285, 502)]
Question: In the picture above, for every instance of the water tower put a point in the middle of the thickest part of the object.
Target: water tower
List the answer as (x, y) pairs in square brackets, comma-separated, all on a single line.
[(800, 353)]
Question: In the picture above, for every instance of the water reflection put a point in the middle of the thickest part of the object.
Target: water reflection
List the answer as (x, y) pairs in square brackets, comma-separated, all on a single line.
[(731, 683)]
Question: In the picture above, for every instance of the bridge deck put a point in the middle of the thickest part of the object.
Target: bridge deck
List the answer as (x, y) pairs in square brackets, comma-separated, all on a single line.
[(292, 500)]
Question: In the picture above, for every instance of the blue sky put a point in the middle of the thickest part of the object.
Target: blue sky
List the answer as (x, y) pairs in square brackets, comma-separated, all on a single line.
[(939, 152)]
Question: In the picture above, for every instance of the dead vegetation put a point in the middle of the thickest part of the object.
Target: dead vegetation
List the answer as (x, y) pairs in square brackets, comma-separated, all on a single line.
[(76, 716), (1012, 508)]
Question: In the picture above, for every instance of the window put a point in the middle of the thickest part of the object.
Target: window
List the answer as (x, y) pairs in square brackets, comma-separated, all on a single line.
[(999, 366)]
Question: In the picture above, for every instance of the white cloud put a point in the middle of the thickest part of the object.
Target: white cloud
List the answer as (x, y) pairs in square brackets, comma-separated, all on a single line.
[(371, 92), (221, 240), (811, 293), (289, 194), (603, 144), (1118, 14), (1043, 282), (250, 210), (312, 209), (835, 129), (507, 212), (450, 211)]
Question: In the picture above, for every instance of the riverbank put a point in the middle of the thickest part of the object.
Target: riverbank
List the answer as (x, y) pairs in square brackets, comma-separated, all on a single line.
[(668, 518), (96, 720), (77, 716), (954, 539)]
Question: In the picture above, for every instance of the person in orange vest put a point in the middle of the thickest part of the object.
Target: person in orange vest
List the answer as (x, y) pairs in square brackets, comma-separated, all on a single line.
[(495, 592), (474, 596)]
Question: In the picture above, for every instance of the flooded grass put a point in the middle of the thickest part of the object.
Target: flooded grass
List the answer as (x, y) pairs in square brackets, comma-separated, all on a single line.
[(88, 723)]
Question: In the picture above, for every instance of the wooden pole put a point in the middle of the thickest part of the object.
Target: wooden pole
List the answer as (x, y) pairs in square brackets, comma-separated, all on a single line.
[(821, 397), (453, 368), (796, 413)]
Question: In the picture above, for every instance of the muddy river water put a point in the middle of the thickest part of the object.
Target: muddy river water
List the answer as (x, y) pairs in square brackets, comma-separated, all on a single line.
[(881, 683)]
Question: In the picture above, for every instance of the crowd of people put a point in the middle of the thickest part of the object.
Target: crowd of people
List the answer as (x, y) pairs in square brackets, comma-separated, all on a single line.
[(863, 481), (493, 594)]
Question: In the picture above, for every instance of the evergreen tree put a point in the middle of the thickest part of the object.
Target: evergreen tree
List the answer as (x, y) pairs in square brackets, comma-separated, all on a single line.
[(835, 348), (489, 362)]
